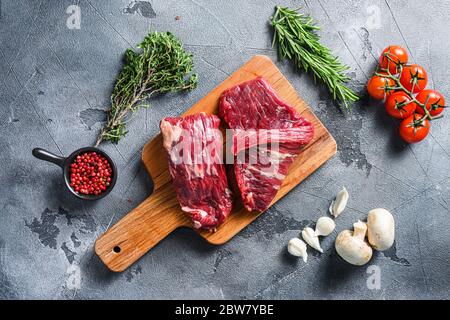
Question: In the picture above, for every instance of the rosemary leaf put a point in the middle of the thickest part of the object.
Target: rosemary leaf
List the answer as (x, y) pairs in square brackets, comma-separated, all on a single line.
[(160, 66), (296, 38)]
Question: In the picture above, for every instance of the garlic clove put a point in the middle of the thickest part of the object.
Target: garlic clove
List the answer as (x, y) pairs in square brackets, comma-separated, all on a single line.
[(311, 238), (324, 226), (339, 204), (297, 248)]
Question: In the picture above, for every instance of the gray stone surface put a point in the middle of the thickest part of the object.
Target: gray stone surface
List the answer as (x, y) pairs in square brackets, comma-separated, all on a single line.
[(55, 82)]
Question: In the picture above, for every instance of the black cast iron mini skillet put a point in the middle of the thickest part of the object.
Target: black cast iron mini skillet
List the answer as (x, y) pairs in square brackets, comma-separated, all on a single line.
[(64, 163)]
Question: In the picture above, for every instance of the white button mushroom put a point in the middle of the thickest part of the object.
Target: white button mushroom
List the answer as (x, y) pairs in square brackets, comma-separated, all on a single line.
[(380, 229), (325, 226), (311, 238), (339, 204), (297, 248), (352, 247)]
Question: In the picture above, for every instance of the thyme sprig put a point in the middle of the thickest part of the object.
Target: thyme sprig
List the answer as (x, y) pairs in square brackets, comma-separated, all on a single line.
[(296, 38), (161, 65)]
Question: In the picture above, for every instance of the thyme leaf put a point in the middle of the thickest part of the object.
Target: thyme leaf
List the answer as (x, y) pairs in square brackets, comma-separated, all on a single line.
[(160, 66), (296, 38)]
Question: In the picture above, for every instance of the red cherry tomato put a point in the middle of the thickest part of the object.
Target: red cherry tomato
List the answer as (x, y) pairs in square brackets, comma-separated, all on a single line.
[(400, 105), (414, 129), (435, 104), (414, 75), (392, 57), (377, 87)]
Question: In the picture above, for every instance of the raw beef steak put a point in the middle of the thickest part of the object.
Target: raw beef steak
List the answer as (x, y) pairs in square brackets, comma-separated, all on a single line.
[(194, 147), (267, 135)]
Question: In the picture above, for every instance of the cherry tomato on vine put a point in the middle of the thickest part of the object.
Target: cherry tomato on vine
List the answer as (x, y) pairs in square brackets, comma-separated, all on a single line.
[(392, 57), (435, 104), (377, 87), (400, 105), (414, 75), (414, 129)]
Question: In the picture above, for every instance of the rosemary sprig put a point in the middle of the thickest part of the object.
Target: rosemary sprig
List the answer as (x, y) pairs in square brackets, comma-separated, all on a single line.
[(295, 35), (160, 66)]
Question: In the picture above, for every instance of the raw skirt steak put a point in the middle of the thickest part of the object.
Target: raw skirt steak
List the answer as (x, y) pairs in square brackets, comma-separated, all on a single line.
[(267, 135), (194, 147)]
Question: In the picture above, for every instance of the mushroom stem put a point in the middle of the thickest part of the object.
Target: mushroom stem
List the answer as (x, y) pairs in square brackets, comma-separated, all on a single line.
[(359, 230)]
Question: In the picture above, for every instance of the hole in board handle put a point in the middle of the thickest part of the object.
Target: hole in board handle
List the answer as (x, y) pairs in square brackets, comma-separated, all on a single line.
[(116, 249)]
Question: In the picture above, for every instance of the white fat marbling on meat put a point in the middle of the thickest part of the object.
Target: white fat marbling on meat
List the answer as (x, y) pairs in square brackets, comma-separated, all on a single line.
[(202, 213), (170, 134), (197, 225), (249, 197), (279, 156), (270, 174)]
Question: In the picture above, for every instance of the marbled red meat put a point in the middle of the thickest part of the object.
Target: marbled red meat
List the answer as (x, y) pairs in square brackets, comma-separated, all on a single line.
[(267, 135), (194, 147)]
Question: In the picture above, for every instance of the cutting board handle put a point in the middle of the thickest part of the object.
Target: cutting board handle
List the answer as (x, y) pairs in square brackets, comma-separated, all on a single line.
[(140, 230)]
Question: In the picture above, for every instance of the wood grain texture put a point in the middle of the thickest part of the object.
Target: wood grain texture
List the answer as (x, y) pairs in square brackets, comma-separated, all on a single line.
[(160, 214)]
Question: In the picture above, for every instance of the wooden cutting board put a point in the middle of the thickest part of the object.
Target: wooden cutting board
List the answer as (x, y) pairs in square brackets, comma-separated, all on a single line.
[(160, 214)]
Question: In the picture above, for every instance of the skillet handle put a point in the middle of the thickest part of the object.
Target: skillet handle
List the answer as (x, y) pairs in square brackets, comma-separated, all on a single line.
[(141, 229), (48, 156)]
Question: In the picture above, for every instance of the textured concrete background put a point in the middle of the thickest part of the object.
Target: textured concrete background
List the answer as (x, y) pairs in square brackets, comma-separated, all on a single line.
[(55, 84)]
